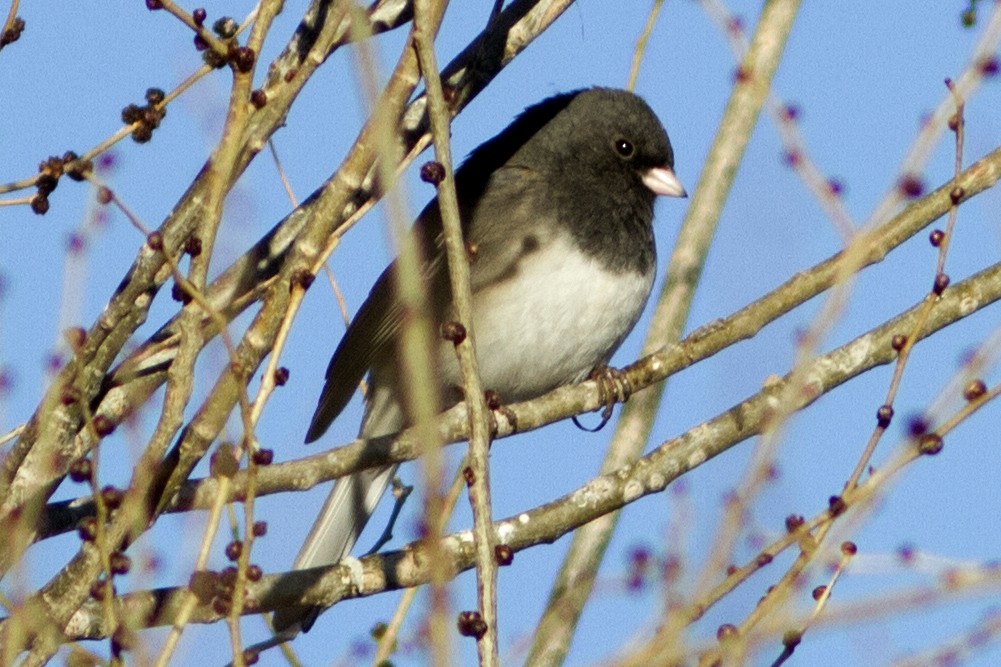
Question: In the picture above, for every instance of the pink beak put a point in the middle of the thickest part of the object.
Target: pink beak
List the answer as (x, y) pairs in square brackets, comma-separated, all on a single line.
[(663, 182)]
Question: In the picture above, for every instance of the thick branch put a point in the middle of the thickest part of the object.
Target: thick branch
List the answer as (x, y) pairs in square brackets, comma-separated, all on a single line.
[(607, 493), (566, 402)]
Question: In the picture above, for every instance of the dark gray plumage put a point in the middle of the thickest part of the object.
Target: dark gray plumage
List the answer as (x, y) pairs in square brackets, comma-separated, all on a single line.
[(559, 207)]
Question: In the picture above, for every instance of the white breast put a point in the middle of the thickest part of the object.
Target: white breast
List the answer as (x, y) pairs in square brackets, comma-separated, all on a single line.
[(557, 317)]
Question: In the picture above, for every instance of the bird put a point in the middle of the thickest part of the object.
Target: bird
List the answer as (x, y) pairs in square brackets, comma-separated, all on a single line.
[(558, 211)]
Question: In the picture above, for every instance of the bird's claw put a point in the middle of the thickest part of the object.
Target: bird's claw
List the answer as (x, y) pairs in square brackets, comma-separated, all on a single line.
[(613, 387)]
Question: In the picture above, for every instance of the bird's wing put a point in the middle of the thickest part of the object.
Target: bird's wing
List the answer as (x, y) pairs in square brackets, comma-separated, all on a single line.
[(502, 229), (496, 246), (367, 336), (374, 329)]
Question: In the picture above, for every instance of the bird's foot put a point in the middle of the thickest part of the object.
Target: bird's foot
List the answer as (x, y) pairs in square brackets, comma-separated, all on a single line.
[(613, 387)]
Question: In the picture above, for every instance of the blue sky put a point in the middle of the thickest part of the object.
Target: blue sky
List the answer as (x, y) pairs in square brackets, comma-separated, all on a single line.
[(863, 76)]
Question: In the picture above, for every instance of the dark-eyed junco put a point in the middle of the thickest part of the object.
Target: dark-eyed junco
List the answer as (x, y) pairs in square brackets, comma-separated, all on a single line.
[(559, 210)]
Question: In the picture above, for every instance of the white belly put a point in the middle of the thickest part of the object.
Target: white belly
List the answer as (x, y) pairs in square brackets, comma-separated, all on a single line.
[(551, 322)]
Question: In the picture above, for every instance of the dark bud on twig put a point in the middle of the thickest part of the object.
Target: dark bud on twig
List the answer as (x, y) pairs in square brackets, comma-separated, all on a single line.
[(849, 548), (243, 59), (898, 342), (13, 33), (225, 27), (70, 395), (99, 589), (378, 631), (936, 237), (433, 172), (222, 606), (258, 98), (81, 470), (974, 390), (884, 415), (40, 204), (281, 376), (152, 116), (87, 529), (794, 521), (988, 67), (234, 549), (131, 114), (726, 632), (53, 168), (260, 528), (911, 186), (941, 282), (791, 639), (142, 134), (503, 554), (179, 293), (76, 168), (145, 118), (453, 332), (263, 457), (930, 444), (917, 426), (836, 505), (120, 563), (103, 425), (112, 497), (471, 624), (198, 16), (46, 183), (211, 58), (228, 578)]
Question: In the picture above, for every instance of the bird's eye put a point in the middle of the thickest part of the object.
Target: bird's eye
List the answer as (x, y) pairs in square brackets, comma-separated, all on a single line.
[(624, 148)]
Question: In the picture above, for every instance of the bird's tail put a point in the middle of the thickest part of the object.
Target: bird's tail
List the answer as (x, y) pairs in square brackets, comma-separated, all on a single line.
[(346, 511)]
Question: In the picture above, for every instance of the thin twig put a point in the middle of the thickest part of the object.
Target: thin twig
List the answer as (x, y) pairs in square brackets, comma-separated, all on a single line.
[(458, 269), (644, 38)]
